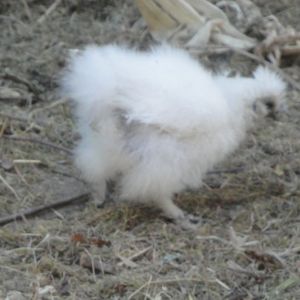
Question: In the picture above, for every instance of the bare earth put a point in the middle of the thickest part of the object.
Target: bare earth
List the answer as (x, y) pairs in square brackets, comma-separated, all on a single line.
[(248, 243)]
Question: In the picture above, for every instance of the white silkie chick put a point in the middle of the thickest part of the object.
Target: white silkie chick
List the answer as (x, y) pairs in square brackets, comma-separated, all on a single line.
[(157, 121)]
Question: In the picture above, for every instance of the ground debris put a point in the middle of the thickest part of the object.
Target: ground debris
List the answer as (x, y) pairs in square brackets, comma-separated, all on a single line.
[(95, 265), (247, 246)]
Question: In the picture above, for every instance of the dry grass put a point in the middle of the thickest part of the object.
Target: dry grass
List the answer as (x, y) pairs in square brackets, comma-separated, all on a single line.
[(248, 243)]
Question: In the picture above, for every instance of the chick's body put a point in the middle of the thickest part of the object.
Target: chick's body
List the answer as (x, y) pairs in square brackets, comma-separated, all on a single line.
[(158, 119)]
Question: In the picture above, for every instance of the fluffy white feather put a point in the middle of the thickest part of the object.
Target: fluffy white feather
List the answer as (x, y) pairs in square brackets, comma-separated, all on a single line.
[(157, 120)]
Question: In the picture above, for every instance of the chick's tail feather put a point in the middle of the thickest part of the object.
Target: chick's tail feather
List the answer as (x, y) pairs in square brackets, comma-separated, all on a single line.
[(264, 84), (269, 84)]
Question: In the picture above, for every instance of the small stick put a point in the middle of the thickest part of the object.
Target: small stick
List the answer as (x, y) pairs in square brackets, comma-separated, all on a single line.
[(66, 174), (27, 10), (23, 81), (42, 164), (252, 56), (35, 210), (226, 171), (87, 261), (3, 127), (50, 106), (14, 19), (23, 119), (233, 266), (146, 284), (284, 39), (8, 116), (49, 10), (26, 161), (140, 253), (288, 78), (33, 140), (208, 50), (165, 282), (126, 261), (10, 188), (130, 260), (290, 50), (135, 256)]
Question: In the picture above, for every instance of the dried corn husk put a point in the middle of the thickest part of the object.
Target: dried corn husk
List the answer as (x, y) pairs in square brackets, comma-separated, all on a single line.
[(191, 23)]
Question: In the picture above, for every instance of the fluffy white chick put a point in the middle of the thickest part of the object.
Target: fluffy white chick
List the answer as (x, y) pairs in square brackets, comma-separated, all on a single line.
[(157, 121)]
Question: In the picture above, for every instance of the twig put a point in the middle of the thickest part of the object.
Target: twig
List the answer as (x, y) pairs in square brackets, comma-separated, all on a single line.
[(252, 56), (176, 280), (140, 253), (28, 119), (89, 258), (234, 267), (146, 284), (15, 162), (35, 210), (26, 161), (88, 261), (3, 127), (126, 262), (226, 171), (50, 106), (10, 188), (164, 282), (23, 81), (66, 174), (130, 260), (290, 50), (8, 116), (283, 39), (49, 10), (14, 19), (27, 10), (33, 140), (212, 50)]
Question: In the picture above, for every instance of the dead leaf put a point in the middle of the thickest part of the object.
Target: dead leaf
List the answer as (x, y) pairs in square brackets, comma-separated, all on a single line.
[(269, 260), (81, 239), (78, 238), (99, 242)]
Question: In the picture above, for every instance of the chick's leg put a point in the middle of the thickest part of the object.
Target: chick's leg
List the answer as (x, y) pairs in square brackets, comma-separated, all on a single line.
[(93, 169), (169, 209), (99, 192), (145, 183), (172, 211)]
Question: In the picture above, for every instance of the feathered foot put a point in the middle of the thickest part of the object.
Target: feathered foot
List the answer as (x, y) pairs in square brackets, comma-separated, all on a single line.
[(178, 216)]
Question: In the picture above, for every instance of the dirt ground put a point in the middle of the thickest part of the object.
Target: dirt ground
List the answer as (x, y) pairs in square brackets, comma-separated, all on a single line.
[(247, 245)]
